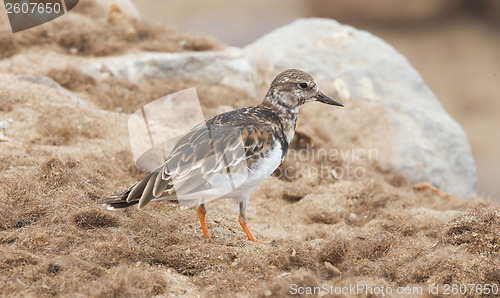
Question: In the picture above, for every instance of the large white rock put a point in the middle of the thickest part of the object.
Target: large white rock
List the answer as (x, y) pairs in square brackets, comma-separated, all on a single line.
[(230, 67), (427, 144)]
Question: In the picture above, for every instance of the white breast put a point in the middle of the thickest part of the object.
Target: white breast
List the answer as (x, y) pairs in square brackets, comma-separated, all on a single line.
[(266, 166), (260, 170), (239, 185)]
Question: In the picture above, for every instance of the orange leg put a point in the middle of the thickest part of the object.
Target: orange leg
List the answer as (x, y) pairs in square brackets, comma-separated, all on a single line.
[(201, 215), (243, 222)]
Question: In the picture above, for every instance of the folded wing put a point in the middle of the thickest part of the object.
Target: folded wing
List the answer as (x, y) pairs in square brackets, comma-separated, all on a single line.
[(203, 162)]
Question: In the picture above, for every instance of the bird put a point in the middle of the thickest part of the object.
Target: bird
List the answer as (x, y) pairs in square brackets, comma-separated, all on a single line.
[(228, 155)]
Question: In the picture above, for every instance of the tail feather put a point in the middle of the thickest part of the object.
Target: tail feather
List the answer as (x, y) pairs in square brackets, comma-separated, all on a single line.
[(147, 192), (138, 188), (140, 193), (119, 200), (119, 205)]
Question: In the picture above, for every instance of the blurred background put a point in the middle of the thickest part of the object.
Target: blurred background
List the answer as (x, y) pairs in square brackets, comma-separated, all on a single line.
[(454, 44)]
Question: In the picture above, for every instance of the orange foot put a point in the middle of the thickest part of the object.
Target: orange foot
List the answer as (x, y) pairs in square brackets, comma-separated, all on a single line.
[(243, 222)]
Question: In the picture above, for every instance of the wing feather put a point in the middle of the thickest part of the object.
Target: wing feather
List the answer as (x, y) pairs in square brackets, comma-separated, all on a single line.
[(147, 193)]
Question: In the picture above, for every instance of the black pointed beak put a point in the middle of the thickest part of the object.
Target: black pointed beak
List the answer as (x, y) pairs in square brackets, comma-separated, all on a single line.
[(325, 99)]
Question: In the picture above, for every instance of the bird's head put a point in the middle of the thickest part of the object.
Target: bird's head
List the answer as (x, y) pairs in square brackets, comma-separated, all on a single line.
[(293, 88)]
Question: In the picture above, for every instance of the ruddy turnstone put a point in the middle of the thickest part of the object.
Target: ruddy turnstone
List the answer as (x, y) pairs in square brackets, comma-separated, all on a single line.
[(229, 154)]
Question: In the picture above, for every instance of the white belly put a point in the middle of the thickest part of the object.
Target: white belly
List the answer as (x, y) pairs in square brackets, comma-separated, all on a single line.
[(260, 171), (237, 185)]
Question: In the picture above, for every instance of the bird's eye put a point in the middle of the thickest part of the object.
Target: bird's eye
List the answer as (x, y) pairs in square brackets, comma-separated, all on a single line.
[(303, 85)]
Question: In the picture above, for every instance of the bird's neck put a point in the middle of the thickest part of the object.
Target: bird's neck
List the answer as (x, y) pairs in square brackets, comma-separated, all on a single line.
[(287, 113)]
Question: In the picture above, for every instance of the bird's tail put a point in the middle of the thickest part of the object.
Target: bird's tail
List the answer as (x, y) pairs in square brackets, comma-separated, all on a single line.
[(119, 200), (152, 187)]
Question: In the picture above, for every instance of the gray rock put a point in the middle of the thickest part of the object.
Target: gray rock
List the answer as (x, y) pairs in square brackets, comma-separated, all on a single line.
[(427, 144), (230, 67)]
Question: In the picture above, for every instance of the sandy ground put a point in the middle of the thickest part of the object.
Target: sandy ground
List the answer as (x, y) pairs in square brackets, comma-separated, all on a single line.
[(61, 157)]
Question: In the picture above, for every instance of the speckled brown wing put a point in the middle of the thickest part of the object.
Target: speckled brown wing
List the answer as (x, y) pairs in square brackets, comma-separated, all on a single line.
[(218, 146), (218, 149)]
